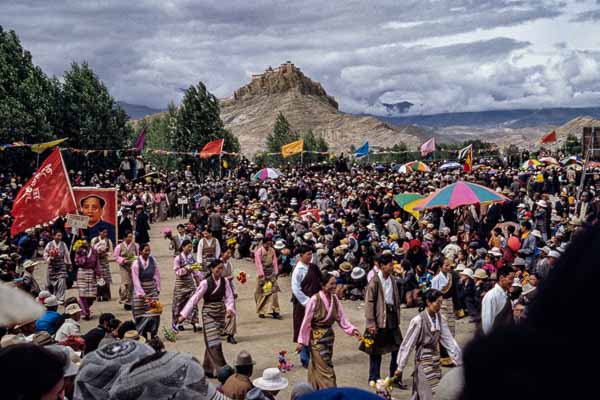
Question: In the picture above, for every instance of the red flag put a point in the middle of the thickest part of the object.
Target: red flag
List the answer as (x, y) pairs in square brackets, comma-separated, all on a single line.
[(213, 148), (141, 140), (468, 167), (45, 196), (549, 138)]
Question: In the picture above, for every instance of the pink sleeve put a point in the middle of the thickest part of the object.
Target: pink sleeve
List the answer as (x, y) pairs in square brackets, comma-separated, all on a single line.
[(156, 276), (117, 254), (258, 261), (341, 318), (179, 270), (305, 328), (189, 306), (275, 266), (370, 275), (229, 303), (135, 278)]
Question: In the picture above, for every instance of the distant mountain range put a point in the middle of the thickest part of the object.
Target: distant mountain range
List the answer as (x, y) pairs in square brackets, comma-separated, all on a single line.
[(136, 111), (514, 119)]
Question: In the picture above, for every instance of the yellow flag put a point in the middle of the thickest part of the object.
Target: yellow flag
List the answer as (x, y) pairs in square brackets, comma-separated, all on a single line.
[(292, 148), (41, 147)]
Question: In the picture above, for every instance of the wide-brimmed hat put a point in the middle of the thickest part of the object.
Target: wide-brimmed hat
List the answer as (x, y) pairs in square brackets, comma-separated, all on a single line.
[(271, 380), (542, 203), (134, 335), (460, 267), (346, 266), (30, 263), (52, 301), (536, 233), (10, 339), (480, 274), (72, 309), (279, 245), (468, 272), (243, 358), (518, 262), (42, 338), (495, 252), (357, 273), (554, 254)]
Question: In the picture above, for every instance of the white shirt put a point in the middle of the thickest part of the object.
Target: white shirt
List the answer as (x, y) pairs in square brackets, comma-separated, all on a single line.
[(300, 271), (388, 291), (439, 281), (69, 328), (493, 302), (262, 194)]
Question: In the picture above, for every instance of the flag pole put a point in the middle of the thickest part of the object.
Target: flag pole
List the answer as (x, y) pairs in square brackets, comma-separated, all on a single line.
[(220, 165)]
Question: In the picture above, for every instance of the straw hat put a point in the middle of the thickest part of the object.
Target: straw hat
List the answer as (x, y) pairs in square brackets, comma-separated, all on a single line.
[(346, 266), (134, 335), (271, 380), (480, 274), (72, 309)]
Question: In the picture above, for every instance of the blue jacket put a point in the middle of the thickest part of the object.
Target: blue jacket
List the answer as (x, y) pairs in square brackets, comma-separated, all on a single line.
[(49, 322)]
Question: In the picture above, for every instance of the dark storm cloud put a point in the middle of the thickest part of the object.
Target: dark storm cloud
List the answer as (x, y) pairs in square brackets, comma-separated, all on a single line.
[(362, 52)]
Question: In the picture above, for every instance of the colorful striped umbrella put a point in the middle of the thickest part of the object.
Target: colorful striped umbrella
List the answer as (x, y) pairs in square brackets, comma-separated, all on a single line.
[(408, 202), (530, 164), (450, 165), (572, 160), (267, 173), (548, 160), (459, 194), (414, 166)]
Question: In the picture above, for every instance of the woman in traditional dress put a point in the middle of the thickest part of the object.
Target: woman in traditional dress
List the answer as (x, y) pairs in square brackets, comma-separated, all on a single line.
[(316, 332), (163, 205), (426, 332), (265, 296), (146, 288), (178, 238), (185, 285), (103, 245), (218, 304), (209, 249), (446, 282), (88, 263), (230, 322), (56, 254)]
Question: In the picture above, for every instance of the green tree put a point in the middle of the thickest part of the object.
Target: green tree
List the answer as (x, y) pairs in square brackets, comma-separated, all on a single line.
[(27, 96), (573, 145), (314, 143), (282, 134), (199, 122), (88, 115), (159, 131)]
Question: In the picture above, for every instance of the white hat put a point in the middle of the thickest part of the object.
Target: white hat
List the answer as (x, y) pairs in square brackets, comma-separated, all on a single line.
[(453, 239), (271, 380), (371, 227), (467, 271), (536, 233), (357, 273), (52, 301), (22, 306), (279, 245), (495, 252), (542, 203), (554, 254), (72, 309), (460, 267), (517, 283), (308, 236), (10, 339), (521, 205)]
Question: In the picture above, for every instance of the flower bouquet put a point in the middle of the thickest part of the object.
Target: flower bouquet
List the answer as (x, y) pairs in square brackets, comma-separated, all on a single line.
[(267, 287), (167, 233), (383, 387), (154, 306), (77, 245), (195, 267), (53, 253), (241, 277), (367, 341), (170, 334)]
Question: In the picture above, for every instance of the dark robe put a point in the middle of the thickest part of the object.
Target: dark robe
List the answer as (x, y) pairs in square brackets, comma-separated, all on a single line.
[(311, 284)]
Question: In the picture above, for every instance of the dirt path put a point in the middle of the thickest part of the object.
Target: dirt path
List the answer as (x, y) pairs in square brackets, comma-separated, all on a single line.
[(263, 338)]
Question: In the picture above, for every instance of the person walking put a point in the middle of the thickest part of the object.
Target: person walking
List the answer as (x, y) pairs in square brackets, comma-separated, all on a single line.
[(145, 277), (382, 314), (316, 332), (141, 226), (427, 332), (88, 272), (496, 307), (125, 254), (186, 280), (230, 328), (265, 296), (56, 254), (218, 303), (104, 247), (209, 249)]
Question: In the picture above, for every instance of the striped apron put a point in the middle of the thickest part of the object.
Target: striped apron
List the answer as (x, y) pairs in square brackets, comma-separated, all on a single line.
[(184, 290), (145, 321), (321, 374), (428, 372), (213, 320)]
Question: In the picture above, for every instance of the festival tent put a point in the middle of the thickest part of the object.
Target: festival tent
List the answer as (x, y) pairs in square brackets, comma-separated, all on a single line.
[(414, 166), (267, 173), (459, 194), (450, 165)]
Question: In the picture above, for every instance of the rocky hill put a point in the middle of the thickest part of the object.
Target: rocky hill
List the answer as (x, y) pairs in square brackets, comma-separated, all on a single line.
[(251, 112)]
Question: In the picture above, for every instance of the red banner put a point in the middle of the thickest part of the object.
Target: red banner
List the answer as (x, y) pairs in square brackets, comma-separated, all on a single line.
[(213, 148), (46, 196), (313, 212), (549, 138)]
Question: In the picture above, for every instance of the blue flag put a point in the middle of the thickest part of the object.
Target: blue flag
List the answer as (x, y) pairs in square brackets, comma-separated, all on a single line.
[(362, 150)]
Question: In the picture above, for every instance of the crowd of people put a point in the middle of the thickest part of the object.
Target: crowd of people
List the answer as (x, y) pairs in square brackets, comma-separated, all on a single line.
[(336, 232)]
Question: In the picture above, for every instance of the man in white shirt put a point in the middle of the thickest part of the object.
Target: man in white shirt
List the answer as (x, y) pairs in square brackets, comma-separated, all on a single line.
[(496, 308), (263, 195), (452, 249), (306, 281), (71, 325)]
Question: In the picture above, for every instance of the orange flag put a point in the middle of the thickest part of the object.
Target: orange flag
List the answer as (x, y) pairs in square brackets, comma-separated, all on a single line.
[(213, 148), (468, 167), (549, 138)]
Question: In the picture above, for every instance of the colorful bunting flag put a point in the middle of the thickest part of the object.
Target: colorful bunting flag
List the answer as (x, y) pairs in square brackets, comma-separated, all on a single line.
[(41, 147)]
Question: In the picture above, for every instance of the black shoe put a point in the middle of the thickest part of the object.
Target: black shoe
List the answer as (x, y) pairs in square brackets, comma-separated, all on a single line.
[(180, 328), (261, 315), (277, 316), (231, 339), (400, 385), (127, 307)]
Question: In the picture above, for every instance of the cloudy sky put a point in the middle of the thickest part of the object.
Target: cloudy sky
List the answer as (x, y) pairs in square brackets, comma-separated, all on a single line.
[(444, 56)]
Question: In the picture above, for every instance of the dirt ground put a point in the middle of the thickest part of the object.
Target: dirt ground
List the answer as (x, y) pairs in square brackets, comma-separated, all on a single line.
[(263, 338)]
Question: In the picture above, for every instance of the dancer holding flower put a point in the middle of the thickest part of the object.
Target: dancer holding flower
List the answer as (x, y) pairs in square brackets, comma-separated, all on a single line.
[(188, 276)]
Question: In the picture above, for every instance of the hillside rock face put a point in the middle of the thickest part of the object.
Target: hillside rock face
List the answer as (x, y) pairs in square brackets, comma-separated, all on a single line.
[(251, 113)]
